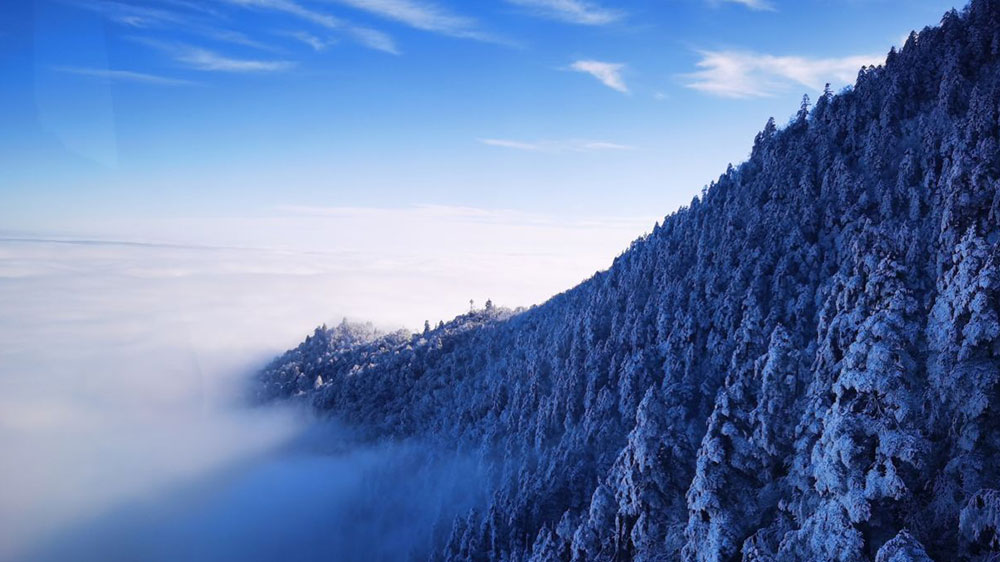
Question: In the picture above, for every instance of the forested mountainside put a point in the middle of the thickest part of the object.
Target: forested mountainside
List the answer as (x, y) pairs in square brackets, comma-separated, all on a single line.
[(801, 365)]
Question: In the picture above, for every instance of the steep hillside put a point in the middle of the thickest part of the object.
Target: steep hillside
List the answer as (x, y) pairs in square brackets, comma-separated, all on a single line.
[(801, 365)]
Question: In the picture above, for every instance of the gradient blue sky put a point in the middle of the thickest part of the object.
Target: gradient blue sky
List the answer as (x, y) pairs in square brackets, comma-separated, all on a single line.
[(161, 108)]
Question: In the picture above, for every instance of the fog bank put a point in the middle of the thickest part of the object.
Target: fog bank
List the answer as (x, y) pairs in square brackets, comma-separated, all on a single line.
[(126, 348), (319, 498)]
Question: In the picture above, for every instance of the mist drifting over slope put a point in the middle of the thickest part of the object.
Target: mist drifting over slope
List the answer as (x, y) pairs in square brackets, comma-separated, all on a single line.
[(127, 348), (320, 496)]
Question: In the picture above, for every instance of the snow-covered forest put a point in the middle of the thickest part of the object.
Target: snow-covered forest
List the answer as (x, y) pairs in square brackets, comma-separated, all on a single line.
[(802, 364)]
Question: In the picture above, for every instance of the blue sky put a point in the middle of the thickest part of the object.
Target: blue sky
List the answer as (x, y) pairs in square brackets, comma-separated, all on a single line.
[(165, 108)]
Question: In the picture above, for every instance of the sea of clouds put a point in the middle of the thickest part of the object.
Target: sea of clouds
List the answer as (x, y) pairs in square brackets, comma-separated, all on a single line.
[(128, 345)]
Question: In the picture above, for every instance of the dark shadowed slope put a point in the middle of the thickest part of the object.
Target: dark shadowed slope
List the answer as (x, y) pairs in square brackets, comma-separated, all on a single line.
[(801, 365)]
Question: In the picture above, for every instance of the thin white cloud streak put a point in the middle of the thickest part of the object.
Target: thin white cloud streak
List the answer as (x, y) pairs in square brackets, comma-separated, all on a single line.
[(374, 39), (200, 7), (371, 38), (316, 43), (746, 74), (205, 60), (112, 75), (608, 73), (555, 146), (519, 145), (578, 12), (140, 17), (234, 37), (602, 145), (424, 16), (758, 5), (295, 9), (131, 15)]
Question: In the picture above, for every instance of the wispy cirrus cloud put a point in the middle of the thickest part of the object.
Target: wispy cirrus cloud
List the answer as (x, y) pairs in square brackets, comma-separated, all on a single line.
[(604, 145), (371, 38), (198, 58), (316, 43), (507, 143), (131, 15), (424, 16), (198, 6), (113, 75), (235, 37), (758, 5), (203, 59), (747, 74), (608, 73), (200, 22), (374, 39), (295, 9), (579, 12), (555, 146)]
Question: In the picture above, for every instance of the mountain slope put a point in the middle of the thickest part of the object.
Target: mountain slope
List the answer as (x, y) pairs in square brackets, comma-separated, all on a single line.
[(801, 365)]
